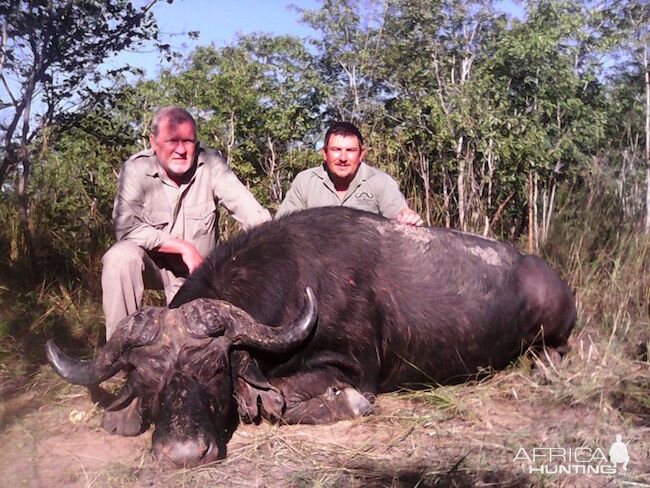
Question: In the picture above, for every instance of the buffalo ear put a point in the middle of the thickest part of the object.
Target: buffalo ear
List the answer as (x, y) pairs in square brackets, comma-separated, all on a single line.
[(256, 397), (112, 401), (246, 368), (122, 399), (126, 393)]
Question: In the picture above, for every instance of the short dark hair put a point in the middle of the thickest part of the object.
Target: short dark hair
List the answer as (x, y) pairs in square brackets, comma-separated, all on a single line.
[(175, 115), (343, 129)]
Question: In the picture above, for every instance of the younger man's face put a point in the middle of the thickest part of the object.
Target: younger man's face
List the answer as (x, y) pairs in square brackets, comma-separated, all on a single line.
[(342, 156)]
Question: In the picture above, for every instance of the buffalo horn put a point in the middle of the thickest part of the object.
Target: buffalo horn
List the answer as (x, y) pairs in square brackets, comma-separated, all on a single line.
[(136, 330), (275, 339), (79, 372)]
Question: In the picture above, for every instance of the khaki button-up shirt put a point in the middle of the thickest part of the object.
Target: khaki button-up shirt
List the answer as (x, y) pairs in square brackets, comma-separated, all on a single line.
[(371, 190), (148, 213)]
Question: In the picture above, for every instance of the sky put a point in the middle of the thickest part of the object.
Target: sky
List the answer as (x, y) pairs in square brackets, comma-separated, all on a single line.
[(219, 22)]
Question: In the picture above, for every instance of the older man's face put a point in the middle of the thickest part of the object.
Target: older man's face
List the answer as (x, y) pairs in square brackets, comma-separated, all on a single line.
[(175, 145), (343, 156)]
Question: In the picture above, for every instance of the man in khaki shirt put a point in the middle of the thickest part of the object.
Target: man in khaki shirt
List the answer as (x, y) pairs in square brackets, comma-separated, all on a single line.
[(166, 214), (345, 180)]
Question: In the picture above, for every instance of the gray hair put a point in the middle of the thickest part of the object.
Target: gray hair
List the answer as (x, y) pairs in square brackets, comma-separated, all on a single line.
[(175, 115)]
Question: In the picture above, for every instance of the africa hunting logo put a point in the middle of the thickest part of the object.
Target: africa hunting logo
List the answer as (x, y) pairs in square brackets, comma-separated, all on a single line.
[(578, 460)]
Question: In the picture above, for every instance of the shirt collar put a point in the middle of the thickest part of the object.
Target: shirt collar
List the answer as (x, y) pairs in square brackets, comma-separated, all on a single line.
[(363, 173)]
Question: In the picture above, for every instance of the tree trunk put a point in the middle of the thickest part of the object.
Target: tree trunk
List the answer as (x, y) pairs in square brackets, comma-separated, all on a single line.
[(461, 195), (445, 197), (548, 211), (490, 163), (270, 167), (497, 214), (531, 215), (22, 179), (425, 174), (647, 138), (25, 236), (474, 204), (647, 199), (535, 213), (461, 184), (621, 184)]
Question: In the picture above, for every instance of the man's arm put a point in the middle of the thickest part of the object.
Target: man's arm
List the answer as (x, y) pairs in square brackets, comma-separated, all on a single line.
[(293, 200), (131, 219), (236, 198), (392, 203), (186, 249), (134, 222)]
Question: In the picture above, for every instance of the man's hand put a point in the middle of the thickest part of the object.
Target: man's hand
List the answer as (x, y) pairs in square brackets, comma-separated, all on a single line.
[(188, 252), (191, 257), (409, 217)]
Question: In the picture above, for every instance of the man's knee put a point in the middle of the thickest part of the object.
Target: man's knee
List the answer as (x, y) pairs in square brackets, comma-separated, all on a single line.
[(123, 255), (122, 252)]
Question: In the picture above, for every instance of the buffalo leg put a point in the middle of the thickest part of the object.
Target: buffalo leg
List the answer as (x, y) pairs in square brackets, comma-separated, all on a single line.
[(318, 397), (256, 397)]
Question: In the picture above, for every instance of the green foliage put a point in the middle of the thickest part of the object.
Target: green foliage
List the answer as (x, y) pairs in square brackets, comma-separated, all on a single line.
[(50, 68), (73, 191), (254, 101), (71, 195), (51, 56), (348, 60), (463, 105)]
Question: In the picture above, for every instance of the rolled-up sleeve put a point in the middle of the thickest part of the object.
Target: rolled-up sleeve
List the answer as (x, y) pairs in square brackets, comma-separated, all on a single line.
[(236, 198), (132, 220)]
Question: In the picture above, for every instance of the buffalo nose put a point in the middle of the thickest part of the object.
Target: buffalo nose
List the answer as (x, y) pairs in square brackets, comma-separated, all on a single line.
[(190, 452)]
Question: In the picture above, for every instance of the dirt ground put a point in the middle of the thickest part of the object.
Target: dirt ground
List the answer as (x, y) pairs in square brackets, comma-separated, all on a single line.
[(465, 435)]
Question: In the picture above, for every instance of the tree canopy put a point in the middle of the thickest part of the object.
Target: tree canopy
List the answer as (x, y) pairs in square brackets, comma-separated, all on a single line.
[(489, 122)]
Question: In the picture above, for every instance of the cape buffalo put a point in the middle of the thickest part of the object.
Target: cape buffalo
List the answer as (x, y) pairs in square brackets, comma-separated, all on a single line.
[(393, 305)]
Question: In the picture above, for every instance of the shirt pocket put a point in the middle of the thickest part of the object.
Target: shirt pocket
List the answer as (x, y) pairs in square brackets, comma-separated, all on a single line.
[(200, 220), (157, 219)]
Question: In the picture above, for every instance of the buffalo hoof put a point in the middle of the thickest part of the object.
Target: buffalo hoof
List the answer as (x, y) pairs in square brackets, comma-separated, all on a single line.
[(358, 403), (126, 422), (273, 403)]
